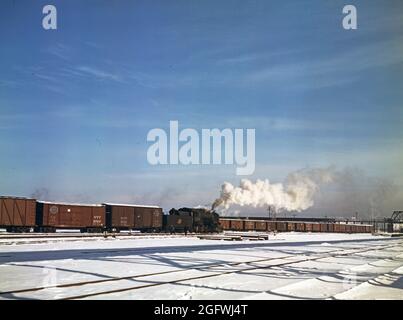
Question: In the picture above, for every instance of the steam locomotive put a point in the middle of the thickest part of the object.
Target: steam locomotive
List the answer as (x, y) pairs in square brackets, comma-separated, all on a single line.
[(193, 220)]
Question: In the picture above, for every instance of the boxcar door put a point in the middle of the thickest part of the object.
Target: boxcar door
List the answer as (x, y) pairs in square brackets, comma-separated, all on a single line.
[(147, 216), (138, 219), (66, 216), (80, 216)]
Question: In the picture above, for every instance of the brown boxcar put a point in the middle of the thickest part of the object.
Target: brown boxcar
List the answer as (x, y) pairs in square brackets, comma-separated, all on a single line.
[(121, 217), (349, 228), (323, 227), (147, 218), (315, 227), (249, 225), (308, 227), (260, 225), (300, 226), (137, 217), (17, 214), (86, 217), (342, 228), (330, 227), (281, 226), (237, 224), (291, 226), (225, 224), (271, 226)]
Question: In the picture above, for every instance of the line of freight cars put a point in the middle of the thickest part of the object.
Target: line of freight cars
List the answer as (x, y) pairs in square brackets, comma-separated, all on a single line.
[(243, 224), (25, 214)]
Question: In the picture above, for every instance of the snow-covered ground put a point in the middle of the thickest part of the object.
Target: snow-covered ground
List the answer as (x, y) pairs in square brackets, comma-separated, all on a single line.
[(287, 266)]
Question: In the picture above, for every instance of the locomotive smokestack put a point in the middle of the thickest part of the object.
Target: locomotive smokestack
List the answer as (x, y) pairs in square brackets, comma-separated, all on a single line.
[(215, 204)]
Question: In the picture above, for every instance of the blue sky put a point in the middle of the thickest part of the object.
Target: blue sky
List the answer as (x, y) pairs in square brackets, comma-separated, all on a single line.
[(76, 103)]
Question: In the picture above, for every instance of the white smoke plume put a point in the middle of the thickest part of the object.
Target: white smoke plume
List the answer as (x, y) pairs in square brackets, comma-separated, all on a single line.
[(40, 194), (295, 194)]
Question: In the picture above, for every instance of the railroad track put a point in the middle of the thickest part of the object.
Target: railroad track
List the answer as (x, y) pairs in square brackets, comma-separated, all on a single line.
[(86, 235), (37, 239), (281, 262)]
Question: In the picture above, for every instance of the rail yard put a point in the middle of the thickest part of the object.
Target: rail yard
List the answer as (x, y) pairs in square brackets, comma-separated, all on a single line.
[(287, 266), (69, 251)]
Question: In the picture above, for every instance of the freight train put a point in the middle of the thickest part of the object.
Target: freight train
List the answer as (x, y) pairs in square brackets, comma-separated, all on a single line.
[(26, 214)]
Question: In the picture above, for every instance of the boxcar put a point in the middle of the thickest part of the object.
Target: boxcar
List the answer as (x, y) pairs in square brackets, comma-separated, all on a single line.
[(225, 224), (330, 227), (271, 226), (300, 226), (237, 224), (348, 228), (119, 217), (342, 228), (323, 227), (86, 217), (148, 218), (281, 226), (260, 225), (17, 214), (291, 226), (315, 227), (133, 217), (249, 225), (308, 227)]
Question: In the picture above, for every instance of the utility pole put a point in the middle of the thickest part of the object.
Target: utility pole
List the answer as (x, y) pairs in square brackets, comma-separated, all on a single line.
[(272, 211), (275, 222), (269, 210)]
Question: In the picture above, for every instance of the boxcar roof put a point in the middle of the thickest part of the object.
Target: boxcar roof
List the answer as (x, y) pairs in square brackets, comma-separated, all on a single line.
[(17, 198), (130, 205), (71, 204)]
